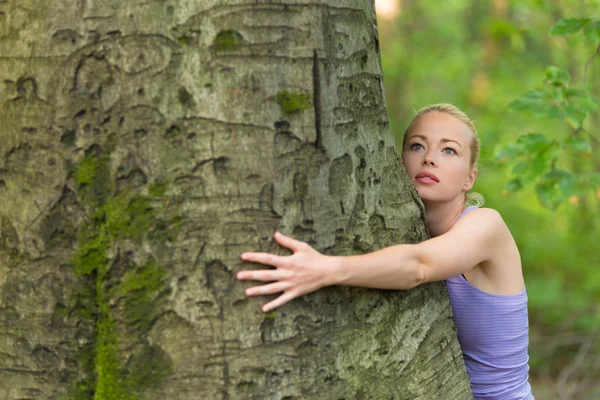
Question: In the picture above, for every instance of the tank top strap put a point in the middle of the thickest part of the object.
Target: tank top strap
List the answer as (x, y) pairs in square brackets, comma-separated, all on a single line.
[(470, 208)]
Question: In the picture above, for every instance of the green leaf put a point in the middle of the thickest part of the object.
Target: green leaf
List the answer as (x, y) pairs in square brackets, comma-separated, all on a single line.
[(534, 101), (590, 179), (581, 97), (539, 165), (579, 144), (509, 152), (556, 112), (565, 26), (514, 185), (521, 168), (558, 76), (500, 28), (567, 184), (533, 142), (575, 115), (548, 194), (592, 32)]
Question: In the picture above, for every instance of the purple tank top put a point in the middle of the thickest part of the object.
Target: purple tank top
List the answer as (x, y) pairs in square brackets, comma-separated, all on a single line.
[(493, 335)]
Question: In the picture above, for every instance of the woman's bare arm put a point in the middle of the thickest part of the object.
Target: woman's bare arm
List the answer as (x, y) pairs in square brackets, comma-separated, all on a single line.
[(470, 242)]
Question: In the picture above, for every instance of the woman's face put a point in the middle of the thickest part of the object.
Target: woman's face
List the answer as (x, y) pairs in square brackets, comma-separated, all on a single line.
[(437, 155)]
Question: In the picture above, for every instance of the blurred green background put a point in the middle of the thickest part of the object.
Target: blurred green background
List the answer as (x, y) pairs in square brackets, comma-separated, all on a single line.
[(481, 55)]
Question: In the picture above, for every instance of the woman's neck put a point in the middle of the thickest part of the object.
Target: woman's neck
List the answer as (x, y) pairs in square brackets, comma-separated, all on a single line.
[(441, 216)]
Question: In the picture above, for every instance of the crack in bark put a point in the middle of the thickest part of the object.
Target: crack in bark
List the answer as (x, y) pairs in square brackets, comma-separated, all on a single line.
[(317, 98)]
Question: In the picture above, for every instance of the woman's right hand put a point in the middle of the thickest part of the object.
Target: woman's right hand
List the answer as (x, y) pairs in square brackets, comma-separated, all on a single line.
[(303, 272)]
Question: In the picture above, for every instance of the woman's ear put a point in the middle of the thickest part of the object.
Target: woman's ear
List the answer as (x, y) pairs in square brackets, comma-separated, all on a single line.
[(470, 180)]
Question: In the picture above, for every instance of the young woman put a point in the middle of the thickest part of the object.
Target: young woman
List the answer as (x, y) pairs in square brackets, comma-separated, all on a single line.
[(471, 248)]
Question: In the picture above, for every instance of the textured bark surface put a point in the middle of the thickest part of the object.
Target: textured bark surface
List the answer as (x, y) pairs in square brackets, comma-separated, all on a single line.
[(144, 146)]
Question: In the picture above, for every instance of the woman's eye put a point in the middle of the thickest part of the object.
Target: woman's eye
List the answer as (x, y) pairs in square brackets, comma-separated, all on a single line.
[(416, 146), (449, 150)]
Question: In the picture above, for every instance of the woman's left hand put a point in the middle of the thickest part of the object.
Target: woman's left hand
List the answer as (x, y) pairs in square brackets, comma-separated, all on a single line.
[(303, 272)]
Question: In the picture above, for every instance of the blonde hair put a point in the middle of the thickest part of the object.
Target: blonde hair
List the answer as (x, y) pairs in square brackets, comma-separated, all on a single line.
[(471, 198)]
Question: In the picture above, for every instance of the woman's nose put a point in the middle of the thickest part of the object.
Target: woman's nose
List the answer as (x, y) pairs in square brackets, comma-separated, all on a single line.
[(428, 160)]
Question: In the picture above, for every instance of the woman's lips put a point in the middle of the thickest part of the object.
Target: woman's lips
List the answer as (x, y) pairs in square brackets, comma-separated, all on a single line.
[(427, 178)]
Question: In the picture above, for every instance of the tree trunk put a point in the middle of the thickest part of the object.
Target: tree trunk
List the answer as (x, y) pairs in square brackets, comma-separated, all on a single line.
[(145, 145)]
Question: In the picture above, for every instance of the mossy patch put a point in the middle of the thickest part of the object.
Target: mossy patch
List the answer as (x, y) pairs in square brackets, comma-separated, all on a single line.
[(270, 315), (184, 40), (140, 287), (109, 385), (91, 255), (158, 189), (291, 103), (148, 367), (116, 217), (128, 215), (93, 179), (227, 40)]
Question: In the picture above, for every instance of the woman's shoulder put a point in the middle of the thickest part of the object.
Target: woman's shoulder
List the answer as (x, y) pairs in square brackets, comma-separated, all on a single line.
[(482, 215), (483, 221)]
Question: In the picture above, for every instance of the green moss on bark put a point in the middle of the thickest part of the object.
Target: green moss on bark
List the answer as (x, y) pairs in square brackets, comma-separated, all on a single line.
[(92, 177), (227, 40), (126, 215), (140, 287), (158, 189), (291, 103)]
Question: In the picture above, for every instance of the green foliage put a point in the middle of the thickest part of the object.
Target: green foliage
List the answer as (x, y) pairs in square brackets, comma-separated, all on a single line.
[(539, 156), (565, 26), (535, 157)]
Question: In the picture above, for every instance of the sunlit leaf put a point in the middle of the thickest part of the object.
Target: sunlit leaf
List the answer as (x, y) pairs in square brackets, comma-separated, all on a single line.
[(567, 183), (534, 101), (520, 168), (592, 32), (565, 26), (509, 153), (558, 76), (575, 115), (582, 98), (591, 179), (578, 144), (514, 185), (533, 142), (548, 194), (556, 112), (500, 28)]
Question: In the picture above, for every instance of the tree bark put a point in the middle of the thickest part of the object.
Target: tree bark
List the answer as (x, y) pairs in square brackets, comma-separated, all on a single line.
[(145, 145)]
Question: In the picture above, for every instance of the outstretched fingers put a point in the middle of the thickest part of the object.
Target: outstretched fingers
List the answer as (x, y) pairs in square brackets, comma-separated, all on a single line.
[(278, 302), (270, 288), (264, 258), (263, 275), (288, 242)]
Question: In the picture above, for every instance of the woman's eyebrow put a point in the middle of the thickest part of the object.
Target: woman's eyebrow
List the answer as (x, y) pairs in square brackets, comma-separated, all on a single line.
[(444, 140), (419, 136)]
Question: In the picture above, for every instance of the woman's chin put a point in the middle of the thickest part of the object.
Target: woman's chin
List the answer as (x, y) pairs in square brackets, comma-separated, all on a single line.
[(425, 194)]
